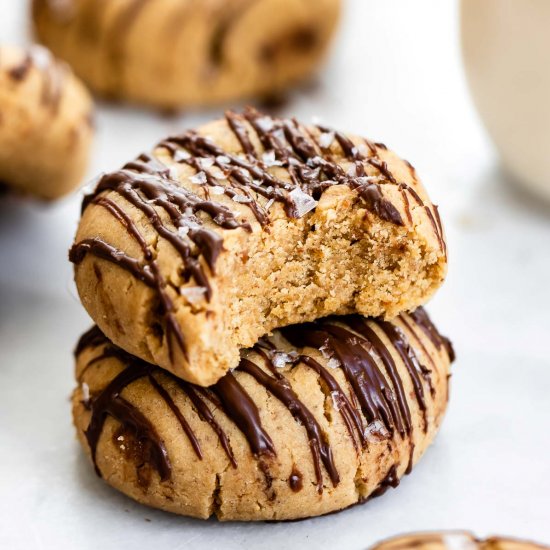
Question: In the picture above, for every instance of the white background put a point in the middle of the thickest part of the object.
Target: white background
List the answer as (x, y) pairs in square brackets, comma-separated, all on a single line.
[(395, 75)]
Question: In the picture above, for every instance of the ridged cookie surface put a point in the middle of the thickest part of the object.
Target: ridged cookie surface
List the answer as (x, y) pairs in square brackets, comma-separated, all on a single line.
[(45, 123), (179, 53), (188, 254), (316, 418)]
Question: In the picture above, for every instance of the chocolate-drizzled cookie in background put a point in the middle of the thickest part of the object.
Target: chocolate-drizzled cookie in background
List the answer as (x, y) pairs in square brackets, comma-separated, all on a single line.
[(46, 125), (455, 540), (316, 417), (174, 54), (250, 223)]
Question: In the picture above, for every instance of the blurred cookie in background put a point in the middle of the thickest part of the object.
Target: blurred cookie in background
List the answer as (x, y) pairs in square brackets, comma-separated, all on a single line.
[(174, 54), (46, 124), (454, 540)]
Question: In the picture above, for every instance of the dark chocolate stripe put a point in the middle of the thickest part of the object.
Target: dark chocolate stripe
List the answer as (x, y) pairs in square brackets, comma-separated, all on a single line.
[(361, 326), (410, 361), (206, 415), (109, 403), (244, 413), (281, 389), (349, 413), (377, 400), (421, 318), (101, 249), (177, 413)]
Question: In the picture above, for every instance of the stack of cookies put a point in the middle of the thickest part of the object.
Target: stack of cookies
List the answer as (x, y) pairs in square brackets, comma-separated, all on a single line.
[(261, 351)]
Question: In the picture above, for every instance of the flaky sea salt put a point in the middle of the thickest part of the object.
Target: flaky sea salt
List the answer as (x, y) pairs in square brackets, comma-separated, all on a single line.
[(183, 231), (173, 173), (363, 150), (336, 400), (280, 359), (364, 180), (303, 202), (265, 123), (352, 171), (241, 199), (199, 178), (85, 391), (269, 204), (222, 159), (326, 139), (326, 351), (376, 431), (193, 294), (181, 154), (217, 190), (206, 163), (279, 134), (333, 363), (268, 158)]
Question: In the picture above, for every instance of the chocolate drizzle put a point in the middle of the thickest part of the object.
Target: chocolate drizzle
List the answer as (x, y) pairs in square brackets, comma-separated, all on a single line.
[(279, 386), (359, 349), (420, 317)]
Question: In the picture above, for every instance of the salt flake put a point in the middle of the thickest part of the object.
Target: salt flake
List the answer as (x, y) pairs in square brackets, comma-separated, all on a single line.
[(199, 178), (217, 190), (269, 159), (376, 432), (180, 155), (222, 159), (326, 139), (206, 163), (241, 199), (193, 294), (265, 123), (303, 202), (85, 391)]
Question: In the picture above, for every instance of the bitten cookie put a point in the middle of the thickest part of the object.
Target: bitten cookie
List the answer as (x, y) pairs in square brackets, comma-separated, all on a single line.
[(247, 224), (180, 53), (454, 540), (316, 418), (45, 123)]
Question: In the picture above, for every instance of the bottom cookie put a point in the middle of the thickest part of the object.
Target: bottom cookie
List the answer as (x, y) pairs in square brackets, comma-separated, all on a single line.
[(454, 540), (316, 418)]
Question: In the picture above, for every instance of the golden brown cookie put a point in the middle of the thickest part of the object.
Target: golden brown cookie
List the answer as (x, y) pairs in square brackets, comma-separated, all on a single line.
[(188, 254), (316, 418), (454, 540), (45, 123), (179, 53)]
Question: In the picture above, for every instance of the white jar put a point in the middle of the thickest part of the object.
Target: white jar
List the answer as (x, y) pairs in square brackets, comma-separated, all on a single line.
[(506, 49)]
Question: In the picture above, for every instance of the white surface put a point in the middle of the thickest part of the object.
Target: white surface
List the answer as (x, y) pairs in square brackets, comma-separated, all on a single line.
[(395, 76)]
